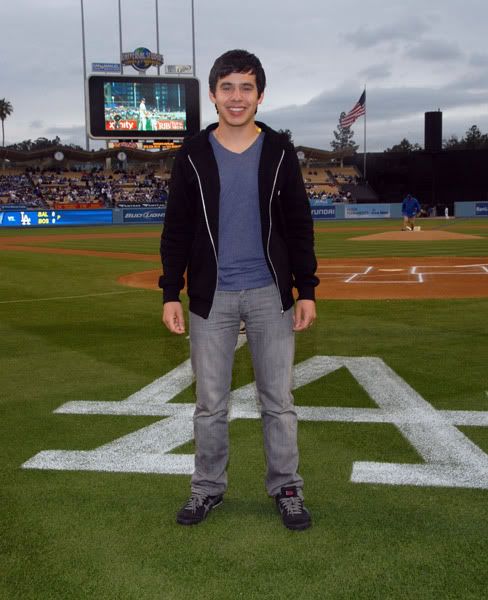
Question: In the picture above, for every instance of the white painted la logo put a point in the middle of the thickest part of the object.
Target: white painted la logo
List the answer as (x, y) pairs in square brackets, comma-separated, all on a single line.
[(450, 458)]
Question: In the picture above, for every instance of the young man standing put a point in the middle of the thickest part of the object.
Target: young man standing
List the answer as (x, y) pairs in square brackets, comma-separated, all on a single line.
[(238, 220)]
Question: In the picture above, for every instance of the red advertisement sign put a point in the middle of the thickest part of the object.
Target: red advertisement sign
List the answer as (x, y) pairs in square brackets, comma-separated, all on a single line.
[(132, 125)]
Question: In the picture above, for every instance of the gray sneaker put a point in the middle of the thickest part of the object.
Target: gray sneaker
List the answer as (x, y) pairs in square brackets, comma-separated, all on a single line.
[(197, 508), (293, 513)]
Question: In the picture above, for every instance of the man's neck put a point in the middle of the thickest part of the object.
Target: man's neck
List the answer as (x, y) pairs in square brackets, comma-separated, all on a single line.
[(237, 139)]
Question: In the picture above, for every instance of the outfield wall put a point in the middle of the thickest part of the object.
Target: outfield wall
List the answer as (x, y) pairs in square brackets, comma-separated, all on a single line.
[(321, 211), (52, 218), (60, 218), (471, 209)]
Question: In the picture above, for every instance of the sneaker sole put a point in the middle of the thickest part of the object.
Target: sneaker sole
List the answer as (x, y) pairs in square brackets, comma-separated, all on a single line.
[(192, 522), (299, 526)]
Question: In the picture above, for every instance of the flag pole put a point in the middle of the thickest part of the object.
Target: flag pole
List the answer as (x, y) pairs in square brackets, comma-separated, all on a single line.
[(364, 142), (157, 34)]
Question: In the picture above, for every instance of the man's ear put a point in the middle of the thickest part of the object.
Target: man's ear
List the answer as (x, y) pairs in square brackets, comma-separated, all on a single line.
[(213, 100), (260, 99)]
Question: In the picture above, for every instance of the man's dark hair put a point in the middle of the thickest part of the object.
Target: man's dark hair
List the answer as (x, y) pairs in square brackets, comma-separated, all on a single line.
[(237, 61)]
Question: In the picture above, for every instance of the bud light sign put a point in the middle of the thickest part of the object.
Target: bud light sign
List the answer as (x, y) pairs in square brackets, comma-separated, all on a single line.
[(144, 215)]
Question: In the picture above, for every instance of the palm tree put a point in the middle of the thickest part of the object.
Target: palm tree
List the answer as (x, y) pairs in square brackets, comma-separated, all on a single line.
[(6, 109)]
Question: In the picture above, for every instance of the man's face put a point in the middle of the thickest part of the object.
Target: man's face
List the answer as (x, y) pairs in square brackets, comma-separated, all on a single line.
[(236, 97)]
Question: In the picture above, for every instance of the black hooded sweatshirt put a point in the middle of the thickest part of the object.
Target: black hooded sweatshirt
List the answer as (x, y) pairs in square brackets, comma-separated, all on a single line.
[(189, 241)]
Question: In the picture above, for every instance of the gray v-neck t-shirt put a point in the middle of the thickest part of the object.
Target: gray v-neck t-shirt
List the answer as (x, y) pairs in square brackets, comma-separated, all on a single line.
[(242, 264)]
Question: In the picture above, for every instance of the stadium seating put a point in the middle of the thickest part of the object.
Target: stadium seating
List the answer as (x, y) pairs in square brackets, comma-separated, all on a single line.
[(32, 188), (97, 188)]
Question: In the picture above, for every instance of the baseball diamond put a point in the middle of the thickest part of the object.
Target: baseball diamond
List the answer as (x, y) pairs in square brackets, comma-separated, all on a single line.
[(390, 390)]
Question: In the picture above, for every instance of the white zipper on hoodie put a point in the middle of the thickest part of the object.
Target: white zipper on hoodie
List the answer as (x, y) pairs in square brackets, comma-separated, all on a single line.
[(270, 226), (206, 220)]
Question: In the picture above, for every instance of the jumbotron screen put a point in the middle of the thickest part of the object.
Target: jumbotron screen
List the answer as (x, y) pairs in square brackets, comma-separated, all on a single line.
[(127, 107), (143, 107)]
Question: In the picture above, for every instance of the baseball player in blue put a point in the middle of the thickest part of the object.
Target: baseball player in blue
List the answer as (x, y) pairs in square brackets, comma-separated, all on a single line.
[(410, 210)]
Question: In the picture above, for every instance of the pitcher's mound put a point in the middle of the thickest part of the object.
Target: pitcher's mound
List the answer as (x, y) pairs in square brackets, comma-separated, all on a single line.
[(415, 236)]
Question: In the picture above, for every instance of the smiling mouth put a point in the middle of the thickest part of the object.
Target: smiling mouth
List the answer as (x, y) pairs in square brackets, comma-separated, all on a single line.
[(236, 109)]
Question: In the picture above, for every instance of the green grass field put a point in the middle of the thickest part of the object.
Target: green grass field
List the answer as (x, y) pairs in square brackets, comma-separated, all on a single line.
[(70, 332)]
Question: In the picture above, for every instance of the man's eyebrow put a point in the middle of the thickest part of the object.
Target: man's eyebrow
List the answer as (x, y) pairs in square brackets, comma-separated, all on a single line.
[(241, 84)]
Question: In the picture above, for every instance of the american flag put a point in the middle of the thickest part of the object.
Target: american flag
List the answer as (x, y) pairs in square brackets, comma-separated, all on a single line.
[(356, 111)]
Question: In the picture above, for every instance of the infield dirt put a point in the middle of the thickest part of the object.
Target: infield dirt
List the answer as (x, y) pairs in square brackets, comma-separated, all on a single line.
[(382, 278), (356, 279)]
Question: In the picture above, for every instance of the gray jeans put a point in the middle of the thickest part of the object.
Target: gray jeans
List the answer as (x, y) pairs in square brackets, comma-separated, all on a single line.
[(271, 341)]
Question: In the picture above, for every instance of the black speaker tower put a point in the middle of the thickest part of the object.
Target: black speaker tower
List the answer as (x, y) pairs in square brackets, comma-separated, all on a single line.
[(433, 131)]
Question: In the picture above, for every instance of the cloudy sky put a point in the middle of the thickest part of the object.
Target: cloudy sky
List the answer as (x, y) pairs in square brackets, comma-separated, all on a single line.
[(413, 56)]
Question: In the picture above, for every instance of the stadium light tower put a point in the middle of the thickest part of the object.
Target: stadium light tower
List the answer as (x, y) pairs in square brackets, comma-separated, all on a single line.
[(87, 141), (157, 33), (120, 38), (193, 37)]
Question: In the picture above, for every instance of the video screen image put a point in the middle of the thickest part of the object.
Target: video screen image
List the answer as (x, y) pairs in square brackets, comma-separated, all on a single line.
[(150, 106)]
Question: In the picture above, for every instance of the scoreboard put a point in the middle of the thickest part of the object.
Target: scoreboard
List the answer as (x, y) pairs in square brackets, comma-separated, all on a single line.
[(55, 218)]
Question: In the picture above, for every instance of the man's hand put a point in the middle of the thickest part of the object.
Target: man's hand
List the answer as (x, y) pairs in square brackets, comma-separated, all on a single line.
[(304, 315), (173, 317)]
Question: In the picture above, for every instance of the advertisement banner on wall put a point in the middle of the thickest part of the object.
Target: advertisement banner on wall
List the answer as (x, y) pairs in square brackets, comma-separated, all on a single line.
[(320, 212), (481, 209), (367, 211), (55, 218), (144, 215)]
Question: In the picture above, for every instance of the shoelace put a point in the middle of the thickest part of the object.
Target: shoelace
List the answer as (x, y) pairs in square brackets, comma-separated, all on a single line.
[(293, 505), (195, 502)]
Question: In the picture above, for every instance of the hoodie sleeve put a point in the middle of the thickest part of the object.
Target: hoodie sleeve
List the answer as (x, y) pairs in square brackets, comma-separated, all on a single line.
[(299, 226), (177, 235)]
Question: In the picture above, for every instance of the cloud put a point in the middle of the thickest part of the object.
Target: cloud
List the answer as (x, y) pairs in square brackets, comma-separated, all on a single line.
[(478, 60), (71, 134), (434, 50), (472, 83), (393, 112), (380, 71), (314, 72), (70, 131), (403, 29)]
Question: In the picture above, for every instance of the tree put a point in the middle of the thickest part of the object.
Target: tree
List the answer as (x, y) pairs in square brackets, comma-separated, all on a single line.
[(451, 143), (343, 137), (6, 109), (41, 143), (288, 134), (404, 146), (473, 139)]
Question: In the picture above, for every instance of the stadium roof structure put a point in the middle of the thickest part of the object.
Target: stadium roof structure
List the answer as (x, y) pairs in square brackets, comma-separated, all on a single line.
[(323, 155), (85, 155), (73, 154)]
